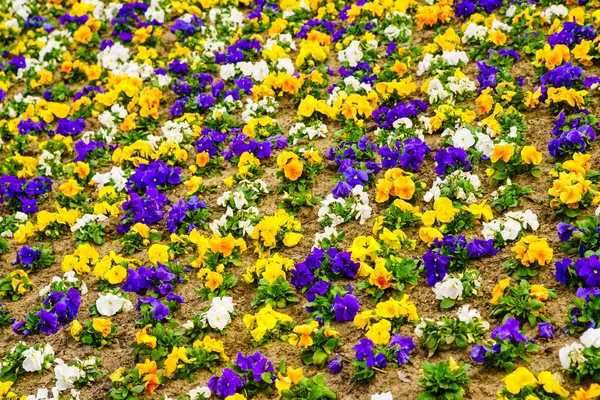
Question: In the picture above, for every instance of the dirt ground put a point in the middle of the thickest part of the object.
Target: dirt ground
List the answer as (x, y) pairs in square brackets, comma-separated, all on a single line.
[(403, 382)]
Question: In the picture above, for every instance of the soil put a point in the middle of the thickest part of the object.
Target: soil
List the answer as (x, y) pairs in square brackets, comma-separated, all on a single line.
[(403, 382)]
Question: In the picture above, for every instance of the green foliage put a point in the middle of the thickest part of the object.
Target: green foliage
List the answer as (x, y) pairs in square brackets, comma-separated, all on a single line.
[(444, 381)]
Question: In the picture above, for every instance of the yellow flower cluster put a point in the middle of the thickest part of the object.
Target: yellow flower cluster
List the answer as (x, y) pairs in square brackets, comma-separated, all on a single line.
[(269, 269), (224, 247), (396, 182), (522, 377), (82, 259), (532, 249), (113, 267), (46, 218), (571, 187), (264, 321), (377, 321), (275, 229)]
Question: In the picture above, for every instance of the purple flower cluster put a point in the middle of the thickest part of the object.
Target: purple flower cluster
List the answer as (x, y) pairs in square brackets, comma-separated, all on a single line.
[(192, 92), (239, 51), (327, 302), (27, 127), (91, 148), (507, 333), (245, 372), (336, 365), (187, 29), (67, 127), (154, 175), (67, 19), (147, 209), (450, 160), (366, 350), (386, 117), (126, 18), (57, 310), (88, 91), (453, 254), (408, 155), (158, 280), (329, 264), (211, 141), (403, 347), (22, 195), (494, 70), (466, 8), (186, 215), (314, 24), (573, 134), (355, 164), (345, 308), (583, 271), (572, 33), (27, 255), (376, 357), (564, 75), (154, 309), (261, 149), (546, 330)]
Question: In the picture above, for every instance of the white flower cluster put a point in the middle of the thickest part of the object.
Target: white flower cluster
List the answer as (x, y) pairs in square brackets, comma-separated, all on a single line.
[(510, 225), (237, 205), (340, 210), (451, 287), (448, 288), (66, 375), (110, 118), (555, 10), (461, 86), (465, 139), (51, 43), (195, 393), (113, 57), (86, 219), (53, 394), (218, 315), (230, 18), (267, 105), (116, 176), (103, 12), (68, 279), (109, 304), (475, 33), (351, 54), (392, 32), (464, 314), (448, 57), (467, 315), (498, 25), (19, 216), (174, 132), (437, 91), (315, 130), (436, 188), (330, 233), (573, 353), (382, 396), (45, 161), (34, 360), (290, 11), (285, 39), (258, 70)]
